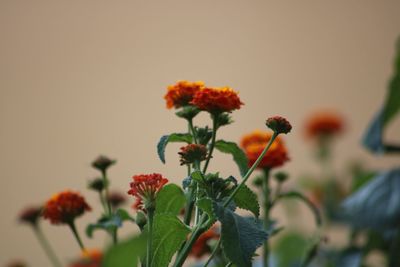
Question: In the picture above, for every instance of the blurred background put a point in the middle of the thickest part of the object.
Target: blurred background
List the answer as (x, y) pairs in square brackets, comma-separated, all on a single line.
[(83, 78)]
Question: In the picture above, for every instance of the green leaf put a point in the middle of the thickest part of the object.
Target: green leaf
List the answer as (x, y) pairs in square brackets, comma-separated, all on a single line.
[(240, 236), (290, 249), (197, 176), (170, 199), (124, 215), (125, 253), (247, 199), (109, 223), (171, 138), (206, 205), (168, 235), (238, 155)]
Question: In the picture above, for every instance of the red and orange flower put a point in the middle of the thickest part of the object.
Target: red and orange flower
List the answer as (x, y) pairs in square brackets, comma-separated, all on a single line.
[(217, 100), (64, 207), (254, 143), (324, 124), (89, 258), (201, 246), (181, 93)]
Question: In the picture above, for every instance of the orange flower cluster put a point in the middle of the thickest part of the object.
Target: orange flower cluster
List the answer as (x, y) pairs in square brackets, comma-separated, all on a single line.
[(324, 124), (192, 152), (216, 100), (254, 143), (200, 247), (65, 207), (89, 258), (181, 94), (145, 187)]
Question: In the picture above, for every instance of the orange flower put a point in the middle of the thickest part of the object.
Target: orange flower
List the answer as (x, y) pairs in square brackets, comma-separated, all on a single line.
[(65, 207), (201, 247), (217, 100), (30, 215), (89, 258), (254, 143), (192, 152), (324, 124), (182, 93)]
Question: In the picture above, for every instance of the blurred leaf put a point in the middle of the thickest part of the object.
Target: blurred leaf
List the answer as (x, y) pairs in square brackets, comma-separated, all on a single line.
[(238, 155), (109, 223), (170, 199), (247, 199), (376, 204), (125, 253), (175, 137), (290, 249), (349, 258)]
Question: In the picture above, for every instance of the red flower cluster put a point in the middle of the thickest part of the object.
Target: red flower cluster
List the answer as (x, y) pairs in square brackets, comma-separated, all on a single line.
[(30, 215), (65, 207), (192, 152), (201, 246), (89, 258), (216, 100), (255, 142), (181, 94), (279, 124), (324, 124)]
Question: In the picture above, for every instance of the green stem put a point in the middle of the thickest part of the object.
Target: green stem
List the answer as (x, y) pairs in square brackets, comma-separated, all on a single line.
[(76, 234), (150, 216), (46, 246), (213, 253), (229, 264), (197, 210), (214, 136), (105, 181), (267, 206), (191, 127)]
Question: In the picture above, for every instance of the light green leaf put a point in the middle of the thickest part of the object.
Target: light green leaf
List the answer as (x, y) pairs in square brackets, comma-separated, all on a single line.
[(175, 137), (125, 253), (247, 199), (238, 155), (170, 199)]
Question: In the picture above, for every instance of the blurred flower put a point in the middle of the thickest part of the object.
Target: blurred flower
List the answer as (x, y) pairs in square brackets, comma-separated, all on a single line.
[(17, 263), (323, 124), (201, 246), (182, 93), (116, 199), (146, 186), (30, 215), (255, 142), (192, 153), (279, 124), (102, 163), (217, 100), (64, 207), (89, 258)]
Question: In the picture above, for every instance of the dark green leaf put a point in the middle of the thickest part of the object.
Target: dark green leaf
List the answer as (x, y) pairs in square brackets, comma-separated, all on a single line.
[(125, 253), (168, 235), (247, 199), (238, 155), (170, 199), (240, 236), (205, 204), (175, 137)]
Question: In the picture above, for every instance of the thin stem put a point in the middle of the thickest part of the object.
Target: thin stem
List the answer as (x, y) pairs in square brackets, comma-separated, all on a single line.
[(229, 264), (267, 206), (46, 246), (214, 136), (76, 234), (197, 210), (213, 253), (150, 215), (105, 181), (193, 130)]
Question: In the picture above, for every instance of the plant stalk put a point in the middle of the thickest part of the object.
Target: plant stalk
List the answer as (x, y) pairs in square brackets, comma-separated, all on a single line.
[(214, 136), (267, 206), (76, 234), (150, 216), (46, 246)]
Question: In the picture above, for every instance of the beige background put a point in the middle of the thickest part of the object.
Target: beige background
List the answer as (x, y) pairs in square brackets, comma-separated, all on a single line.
[(79, 78)]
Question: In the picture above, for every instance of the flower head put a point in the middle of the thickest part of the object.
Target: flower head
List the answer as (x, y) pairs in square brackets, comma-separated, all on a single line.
[(116, 199), (102, 163), (89, 258), (279, 124), (181, 93), (253, 145), (217, 100), (192, 152), (201, 246), (64, 207), (324, 124), (146, 186), (30, 215)]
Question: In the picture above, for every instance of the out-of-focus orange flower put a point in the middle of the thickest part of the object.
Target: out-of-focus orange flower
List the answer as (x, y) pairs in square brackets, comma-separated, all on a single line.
[(216, 100), (254, 143), (201, 246), (324, 124), (181, 93), (64, 207), (89, 258), (192, 152), (30, 215)]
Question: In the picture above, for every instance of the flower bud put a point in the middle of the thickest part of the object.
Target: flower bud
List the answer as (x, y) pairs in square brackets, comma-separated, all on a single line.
[(192, 153), (279, 125)]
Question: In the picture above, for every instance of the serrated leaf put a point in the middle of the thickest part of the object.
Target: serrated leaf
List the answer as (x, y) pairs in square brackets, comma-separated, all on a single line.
[(125, 253), (170, 199), (206, 205), (238, 155), (247, 199), (240, 236), (377, 203), (168, 235), (175, 137), (197, 176)]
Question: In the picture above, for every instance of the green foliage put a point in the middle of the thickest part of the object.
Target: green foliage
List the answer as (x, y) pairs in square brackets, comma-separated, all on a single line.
[(238, 155), (247, 199), (197, 176), (240, 236), (206, 205), (170, 199), (290, 249), (109, 223), (126, 253), (188, 112), (171, 138), (168, 235)]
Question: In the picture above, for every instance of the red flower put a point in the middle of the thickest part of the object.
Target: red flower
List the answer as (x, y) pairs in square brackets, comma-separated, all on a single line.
[(89, 258), (201, 246), (65, 207), (182, 93), (324, 124), (192, 152), (30, 215), (217, 100), (253, 145), (138, 205)]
